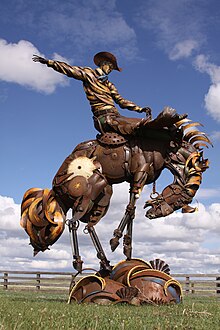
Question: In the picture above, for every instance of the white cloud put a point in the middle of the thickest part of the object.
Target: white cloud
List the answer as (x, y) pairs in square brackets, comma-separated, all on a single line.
[(47, 264), (177, 26), (181, 29), (16, 66), (9, 214), (183, 49), (212, 101), (205, 193), (188, 242), (203, 64), (212, 98)]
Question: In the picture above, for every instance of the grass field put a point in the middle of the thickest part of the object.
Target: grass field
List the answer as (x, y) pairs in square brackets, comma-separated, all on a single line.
[(32, 310)]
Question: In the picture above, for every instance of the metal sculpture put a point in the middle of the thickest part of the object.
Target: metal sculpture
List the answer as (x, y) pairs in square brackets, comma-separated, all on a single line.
[(134, 281), (84, 182), (127, 149)]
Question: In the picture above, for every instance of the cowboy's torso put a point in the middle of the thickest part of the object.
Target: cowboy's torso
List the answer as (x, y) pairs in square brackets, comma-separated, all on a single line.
[(98, 92)]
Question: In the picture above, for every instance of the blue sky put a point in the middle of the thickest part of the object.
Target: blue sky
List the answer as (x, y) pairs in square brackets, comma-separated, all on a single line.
[(169, 52)]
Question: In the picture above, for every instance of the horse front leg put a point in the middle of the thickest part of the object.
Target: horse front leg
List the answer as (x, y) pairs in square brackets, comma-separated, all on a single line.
[(127, 220), (137, 185), (128, 217), (127, 239)]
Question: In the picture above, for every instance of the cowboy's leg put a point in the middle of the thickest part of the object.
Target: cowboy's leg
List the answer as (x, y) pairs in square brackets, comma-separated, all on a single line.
[(122, 125)]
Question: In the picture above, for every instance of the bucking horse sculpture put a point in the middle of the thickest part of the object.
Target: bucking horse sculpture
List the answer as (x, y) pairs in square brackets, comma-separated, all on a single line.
[(84, 183)]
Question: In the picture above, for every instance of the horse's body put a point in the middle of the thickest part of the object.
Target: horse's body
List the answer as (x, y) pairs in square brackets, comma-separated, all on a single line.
[(133, 161), (84, 181)]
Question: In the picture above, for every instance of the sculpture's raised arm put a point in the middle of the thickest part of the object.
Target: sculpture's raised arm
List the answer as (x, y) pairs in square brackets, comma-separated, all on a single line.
[(62, 67)]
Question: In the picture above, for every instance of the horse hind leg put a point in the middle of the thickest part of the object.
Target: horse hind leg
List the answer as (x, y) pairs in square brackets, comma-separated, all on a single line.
[(73, 226), (99, 209), (104, 262)]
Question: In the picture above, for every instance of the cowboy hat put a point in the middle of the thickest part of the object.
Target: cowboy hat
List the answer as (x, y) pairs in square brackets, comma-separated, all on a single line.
[(108, 57)]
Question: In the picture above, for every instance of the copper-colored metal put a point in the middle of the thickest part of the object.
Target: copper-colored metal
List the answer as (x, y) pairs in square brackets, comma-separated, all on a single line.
[(84, 181), (135, 282), (129, 149), (93, 288), (155, 286), (101, 93), (120, 271), (42, 218), (106, 57)]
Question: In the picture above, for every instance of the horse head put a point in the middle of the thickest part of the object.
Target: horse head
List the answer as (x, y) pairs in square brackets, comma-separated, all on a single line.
[(184, 158)]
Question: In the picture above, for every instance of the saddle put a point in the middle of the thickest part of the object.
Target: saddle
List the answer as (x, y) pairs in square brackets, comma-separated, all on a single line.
[(111, 139), (167, 118)]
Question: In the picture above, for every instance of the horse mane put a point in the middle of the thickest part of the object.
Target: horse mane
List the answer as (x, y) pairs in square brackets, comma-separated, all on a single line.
[(192, 135)]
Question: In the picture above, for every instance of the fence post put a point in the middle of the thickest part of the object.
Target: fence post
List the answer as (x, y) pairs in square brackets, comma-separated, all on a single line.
[(192, 288), (187, 284), (218, 285), (5, 281), (38, 281)]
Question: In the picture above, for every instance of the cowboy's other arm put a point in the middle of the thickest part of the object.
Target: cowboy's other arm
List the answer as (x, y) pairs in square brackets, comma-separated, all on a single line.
[(123, 103)]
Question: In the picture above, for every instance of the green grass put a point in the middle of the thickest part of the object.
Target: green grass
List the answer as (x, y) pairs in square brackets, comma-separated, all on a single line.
[(32, 310)]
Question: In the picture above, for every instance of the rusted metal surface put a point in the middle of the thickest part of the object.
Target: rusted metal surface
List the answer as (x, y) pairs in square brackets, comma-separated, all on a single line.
[(84, 183), (101, 93), (42, 218), (135, 282), (128, 149)]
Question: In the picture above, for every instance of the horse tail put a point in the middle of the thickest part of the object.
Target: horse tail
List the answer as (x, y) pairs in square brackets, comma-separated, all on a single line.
[(42, 218)]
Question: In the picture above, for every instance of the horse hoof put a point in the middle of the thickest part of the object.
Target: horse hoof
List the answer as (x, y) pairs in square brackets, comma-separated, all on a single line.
[(114, 243), (150, 215)]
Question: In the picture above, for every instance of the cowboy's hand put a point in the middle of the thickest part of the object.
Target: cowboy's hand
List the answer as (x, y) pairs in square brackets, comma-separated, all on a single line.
[(148, 111), (40, 59)]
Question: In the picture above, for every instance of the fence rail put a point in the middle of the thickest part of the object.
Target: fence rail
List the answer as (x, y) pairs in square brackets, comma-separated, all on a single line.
[(192, 284)]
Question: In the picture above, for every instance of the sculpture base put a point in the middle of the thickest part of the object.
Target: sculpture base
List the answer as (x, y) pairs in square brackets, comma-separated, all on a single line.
[(134, 281)]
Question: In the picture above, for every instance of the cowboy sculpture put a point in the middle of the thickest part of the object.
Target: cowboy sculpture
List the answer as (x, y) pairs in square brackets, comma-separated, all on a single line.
[(101, 93), (85, 179), (102, 96)]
